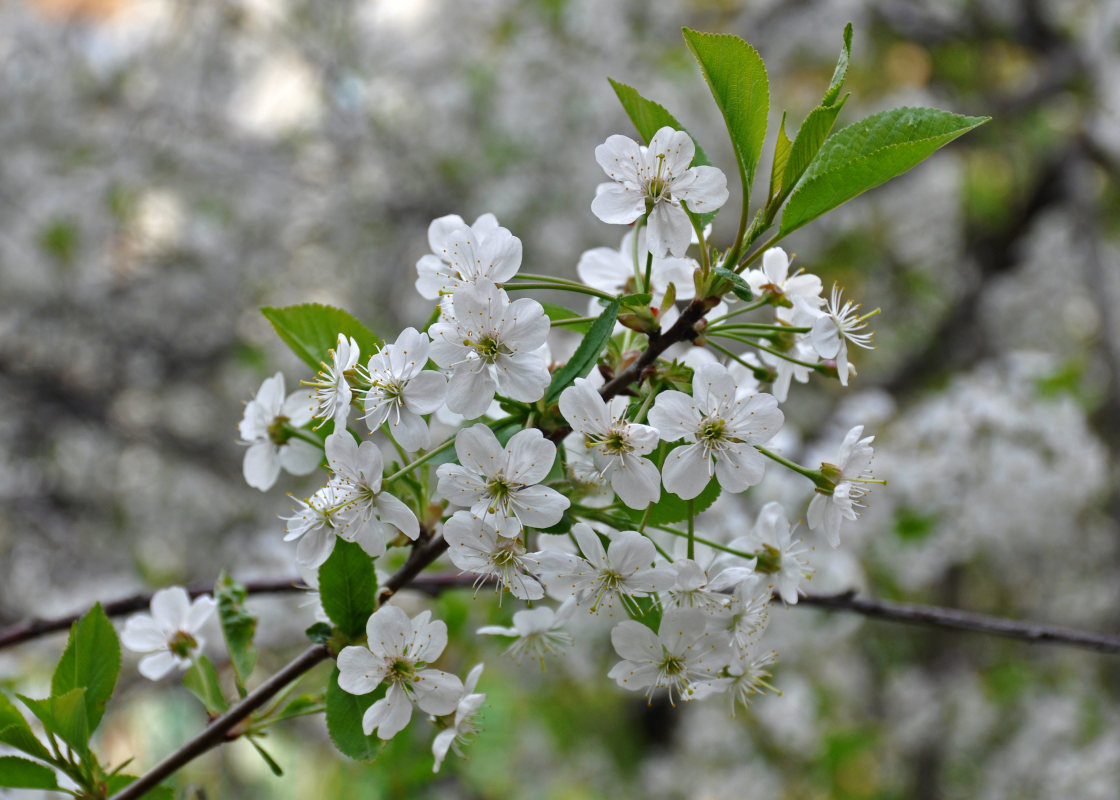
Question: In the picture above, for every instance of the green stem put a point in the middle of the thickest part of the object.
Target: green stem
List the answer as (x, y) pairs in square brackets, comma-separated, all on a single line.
[(649, 273), (300, 433), (729, 354), (756, 326), (636, 263), (746, 262), (755, 305), (814, 475), (643, 409), (575, 288), (691, 529), (705, 261)]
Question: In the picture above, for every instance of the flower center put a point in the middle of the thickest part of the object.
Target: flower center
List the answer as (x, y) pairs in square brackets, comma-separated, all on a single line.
[(488, 348), (500, 490), (711, 431), (182, 643), (278, 431)]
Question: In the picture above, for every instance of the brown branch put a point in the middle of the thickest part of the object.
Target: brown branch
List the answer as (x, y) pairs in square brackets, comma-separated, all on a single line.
[(938, 617), (216, 732)]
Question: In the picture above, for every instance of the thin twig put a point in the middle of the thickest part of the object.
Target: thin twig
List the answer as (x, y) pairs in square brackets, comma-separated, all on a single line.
[(217, 731)]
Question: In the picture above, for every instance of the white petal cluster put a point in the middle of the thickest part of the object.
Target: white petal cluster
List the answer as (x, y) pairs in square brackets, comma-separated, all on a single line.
[(827, 512), (398, 653), (721, 425), (475, 546), (773, 278), (773, 534), (656, 180), (271, 447), (537, 632), (461, 727), (401, 391), (313, 525), (616, 445), (463, 254), (488, 345), (332, 391), (366, 514), (502, 485), (169, 635), (602, 578), (683, 657), (834, 327)]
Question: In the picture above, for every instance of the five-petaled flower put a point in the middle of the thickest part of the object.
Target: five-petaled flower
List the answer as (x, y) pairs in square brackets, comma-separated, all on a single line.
[(398, 652), (655, 180), (267, 429), (849, 475), (170, 634), (722, 424)]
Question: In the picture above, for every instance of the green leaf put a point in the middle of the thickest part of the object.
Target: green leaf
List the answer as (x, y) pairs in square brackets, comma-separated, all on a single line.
[(15, 732), (647, 611), (650, 117), (739, 287), (312, 330), (868, 153), (807, 143), (781, 157), (640, 300), (65, 716), (19, 773), (268, 759), (348, 588), (557, 313), (238, 627), (586, 354), (202, 681), (670, 508), (841, 70), (344, 722), (91, 660), (320, 632), (737, 77)]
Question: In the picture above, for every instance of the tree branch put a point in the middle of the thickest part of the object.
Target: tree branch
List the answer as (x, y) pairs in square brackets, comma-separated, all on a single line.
[(217, 731)]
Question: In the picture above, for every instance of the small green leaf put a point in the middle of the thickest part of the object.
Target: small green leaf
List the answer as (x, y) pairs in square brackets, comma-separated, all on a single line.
[(807, 143), (201, 680), (15, 732), (781, 157), (640, 300), (650, 117), (670, 508), (268, 759), (737, 77), (91, 660), (238, 627), (841, 70), (646, 611), (868, 153), (320, 633), (19, 773), (65, 716), (312, 330), (739, 287), (344, 722), (585, 356), (348, 588), (557, 313)]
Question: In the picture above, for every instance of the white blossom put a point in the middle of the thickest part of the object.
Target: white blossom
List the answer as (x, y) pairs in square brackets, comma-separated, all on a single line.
[(773, 534), (475, 546), (488, 344), (502, 484), (314, 524), (850, 473), (332, 392), (656, 180), (722, 423), (774, 278), (401, 390), (614, 272), (463, 725), (683, 657), (463, 254), (398, 652), (271, 447), (537, 632), (170, 634), (616, 445), (837, 325), (746, 675), (366, 512), (621, 572)]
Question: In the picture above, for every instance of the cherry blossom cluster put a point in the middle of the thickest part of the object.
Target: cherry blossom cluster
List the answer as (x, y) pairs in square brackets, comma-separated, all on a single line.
[(551, 484)]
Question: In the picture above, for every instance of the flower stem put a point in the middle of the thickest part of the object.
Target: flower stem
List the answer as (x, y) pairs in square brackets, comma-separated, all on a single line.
[(814, 475)]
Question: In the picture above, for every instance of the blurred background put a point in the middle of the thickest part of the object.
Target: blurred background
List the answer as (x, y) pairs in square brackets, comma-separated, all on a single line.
[(167, 167)]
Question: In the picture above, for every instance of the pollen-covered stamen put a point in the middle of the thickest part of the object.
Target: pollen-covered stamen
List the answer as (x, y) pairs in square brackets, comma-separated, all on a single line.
[(182, 644), (845, 314), (672, 674)]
